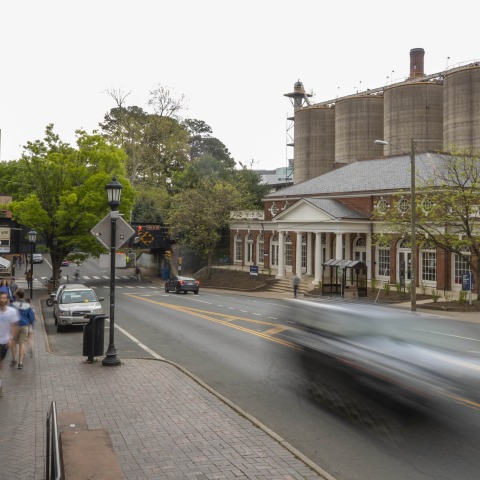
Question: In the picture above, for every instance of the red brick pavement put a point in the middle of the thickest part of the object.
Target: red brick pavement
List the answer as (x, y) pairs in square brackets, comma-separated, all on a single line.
[(163, 423)]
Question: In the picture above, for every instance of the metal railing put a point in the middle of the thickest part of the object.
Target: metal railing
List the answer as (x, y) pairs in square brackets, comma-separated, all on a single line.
[(53, 467)]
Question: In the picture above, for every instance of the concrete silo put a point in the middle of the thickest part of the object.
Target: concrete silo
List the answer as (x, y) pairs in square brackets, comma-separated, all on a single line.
[(314, 139), (414, 110), (358, 122), (461, 108)]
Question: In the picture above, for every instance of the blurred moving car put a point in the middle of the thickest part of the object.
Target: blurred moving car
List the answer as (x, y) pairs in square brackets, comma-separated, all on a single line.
[(72, 303), (182, 284), (65, 263), (37, 258), (402, 355)]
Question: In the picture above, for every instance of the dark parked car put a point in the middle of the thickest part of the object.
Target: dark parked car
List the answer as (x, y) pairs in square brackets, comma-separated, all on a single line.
[(182, 284)]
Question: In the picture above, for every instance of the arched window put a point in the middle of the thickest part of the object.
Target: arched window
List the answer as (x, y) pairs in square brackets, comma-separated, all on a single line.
[(360, 249), (461, 265), (249, 249), (260, 249), (288, 251), (383, 261), (382, 206), (274, 251), (403, 205), (238, 248), (428, 263)]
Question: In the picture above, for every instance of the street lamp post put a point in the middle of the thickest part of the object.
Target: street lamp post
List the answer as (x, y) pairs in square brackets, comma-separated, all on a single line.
[(114, 192), (32, 238), (413, 219)]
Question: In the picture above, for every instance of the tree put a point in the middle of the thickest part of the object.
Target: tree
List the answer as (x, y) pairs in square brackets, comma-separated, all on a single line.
[(61, 191), (447, 212), (198, 215)]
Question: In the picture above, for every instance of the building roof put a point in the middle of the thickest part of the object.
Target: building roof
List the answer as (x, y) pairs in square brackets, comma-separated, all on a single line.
[(335, 208), (393, 173)]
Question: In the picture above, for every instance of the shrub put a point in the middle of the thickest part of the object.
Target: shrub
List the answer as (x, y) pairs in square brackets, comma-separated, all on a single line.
[(462, 296), (436, 295), (398, 288), (374, 283), (423, 288), (386, 288)]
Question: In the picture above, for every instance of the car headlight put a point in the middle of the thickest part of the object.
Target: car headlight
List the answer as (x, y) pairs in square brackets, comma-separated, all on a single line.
[(65, 313)]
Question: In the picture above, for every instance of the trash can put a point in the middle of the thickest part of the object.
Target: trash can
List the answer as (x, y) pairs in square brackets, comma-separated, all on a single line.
[(94, 335)]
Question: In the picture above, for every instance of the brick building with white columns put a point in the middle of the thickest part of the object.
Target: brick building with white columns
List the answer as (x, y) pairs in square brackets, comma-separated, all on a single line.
[(330, 217)]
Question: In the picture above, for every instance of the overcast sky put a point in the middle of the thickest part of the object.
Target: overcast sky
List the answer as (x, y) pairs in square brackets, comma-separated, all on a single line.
[(232, 60)]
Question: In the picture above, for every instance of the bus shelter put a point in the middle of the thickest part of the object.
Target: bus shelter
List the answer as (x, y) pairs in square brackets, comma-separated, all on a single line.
[(340, 276)]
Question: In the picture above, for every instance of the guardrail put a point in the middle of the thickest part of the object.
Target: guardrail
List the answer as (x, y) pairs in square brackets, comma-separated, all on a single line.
[(53, 467)]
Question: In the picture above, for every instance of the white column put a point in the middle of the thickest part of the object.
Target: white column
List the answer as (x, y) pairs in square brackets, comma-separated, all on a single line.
[(328, 246), (298, 255), (281, 254), (318, 259), (348, 247), (338, 246), (368, 242), (309, 253)]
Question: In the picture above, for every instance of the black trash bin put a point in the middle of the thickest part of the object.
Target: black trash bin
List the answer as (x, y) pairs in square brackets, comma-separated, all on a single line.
[(94, 336)]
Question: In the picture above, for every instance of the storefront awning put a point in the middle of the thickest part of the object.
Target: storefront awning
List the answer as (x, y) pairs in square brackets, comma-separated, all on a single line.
[(333, 262), (4, 263)]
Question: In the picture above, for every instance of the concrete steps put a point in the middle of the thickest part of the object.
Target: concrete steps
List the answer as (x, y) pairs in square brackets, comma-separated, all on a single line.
[(284, 285)]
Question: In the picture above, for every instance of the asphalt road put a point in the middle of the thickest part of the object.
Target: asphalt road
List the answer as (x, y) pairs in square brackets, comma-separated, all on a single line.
[(237, 345)]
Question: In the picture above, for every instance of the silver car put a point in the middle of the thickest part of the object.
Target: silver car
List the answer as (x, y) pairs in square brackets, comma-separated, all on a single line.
[(73, 303)]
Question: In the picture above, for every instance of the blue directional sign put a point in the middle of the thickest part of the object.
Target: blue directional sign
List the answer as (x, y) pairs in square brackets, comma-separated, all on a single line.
[(468, 281), (253, 269)]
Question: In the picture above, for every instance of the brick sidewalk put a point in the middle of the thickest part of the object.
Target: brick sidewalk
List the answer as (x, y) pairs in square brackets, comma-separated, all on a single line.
[(162, 422)]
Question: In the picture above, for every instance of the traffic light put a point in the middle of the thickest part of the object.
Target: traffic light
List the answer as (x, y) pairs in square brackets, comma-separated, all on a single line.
[(140, 230), (168, 254)]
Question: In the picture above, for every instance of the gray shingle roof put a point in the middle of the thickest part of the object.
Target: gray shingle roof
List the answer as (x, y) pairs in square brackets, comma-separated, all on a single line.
[(366, 176), (335, 208)]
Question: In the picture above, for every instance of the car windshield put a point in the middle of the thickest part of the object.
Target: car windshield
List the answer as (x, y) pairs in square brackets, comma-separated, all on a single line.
[(83, 296)]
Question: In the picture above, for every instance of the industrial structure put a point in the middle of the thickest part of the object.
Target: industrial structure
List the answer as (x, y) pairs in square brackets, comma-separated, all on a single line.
[(439, 110), (351, 156)]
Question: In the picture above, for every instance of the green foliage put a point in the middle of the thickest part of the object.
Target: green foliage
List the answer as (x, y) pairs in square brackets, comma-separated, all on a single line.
[(374, 283), (436, 295), (423, 288), (398, 288), (198, 215), (61, 190), (462, 296), (386, 288)]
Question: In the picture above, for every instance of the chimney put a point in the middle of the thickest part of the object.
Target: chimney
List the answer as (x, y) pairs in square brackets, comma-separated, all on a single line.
[(416, 62)]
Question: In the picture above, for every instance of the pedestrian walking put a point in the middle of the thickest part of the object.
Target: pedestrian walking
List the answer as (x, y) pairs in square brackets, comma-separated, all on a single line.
[(138, 273), (5, 288), (29, 277), (13, 286), (27, 319), (9, 317), (295, 283)]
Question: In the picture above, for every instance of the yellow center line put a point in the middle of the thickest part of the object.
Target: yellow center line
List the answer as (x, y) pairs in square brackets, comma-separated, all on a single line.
[(205, 314)]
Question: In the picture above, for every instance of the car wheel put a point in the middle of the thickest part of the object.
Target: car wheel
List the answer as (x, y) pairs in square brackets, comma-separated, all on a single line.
[(195, 292), (166, 288), (177, 290)]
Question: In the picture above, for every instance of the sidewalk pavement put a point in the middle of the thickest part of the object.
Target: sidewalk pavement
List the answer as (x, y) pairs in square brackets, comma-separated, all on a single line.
[(163, 422)]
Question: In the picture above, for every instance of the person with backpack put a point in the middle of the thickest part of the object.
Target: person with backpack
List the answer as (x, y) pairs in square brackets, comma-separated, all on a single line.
[(27, 319)]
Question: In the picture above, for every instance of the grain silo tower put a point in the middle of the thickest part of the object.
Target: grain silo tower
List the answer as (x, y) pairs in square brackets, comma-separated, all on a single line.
[(314, 140), (358, 122), (461, 107), (414, 110)]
